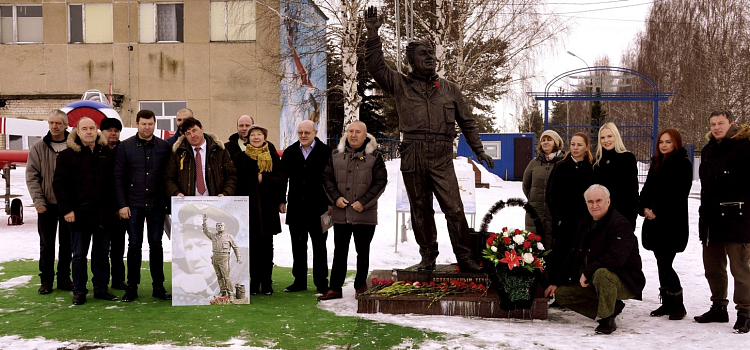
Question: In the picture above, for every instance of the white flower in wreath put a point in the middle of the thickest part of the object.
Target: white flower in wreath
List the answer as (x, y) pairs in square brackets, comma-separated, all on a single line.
[(512, 246), (518, 239), (539, 246), (506, 234), (528, 258), (494, 248)]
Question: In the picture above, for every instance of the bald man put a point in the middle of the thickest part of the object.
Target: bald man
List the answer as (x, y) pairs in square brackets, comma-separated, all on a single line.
[(303, 163), (237, 141), (84, 189), (180, 116), (354, 179)]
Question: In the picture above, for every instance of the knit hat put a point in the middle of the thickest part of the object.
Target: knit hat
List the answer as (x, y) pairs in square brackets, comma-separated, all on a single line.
[(555, 137)]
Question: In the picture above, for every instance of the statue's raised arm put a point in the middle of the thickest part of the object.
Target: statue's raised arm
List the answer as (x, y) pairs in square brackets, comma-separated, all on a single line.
[(205, 228), (372, 21)]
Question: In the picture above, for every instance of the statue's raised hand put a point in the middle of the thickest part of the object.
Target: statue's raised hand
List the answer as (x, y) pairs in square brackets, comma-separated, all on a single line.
[(372, 21)]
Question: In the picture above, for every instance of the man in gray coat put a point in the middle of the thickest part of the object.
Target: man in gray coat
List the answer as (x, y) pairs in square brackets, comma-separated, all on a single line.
[(429, 107), (354, 180), (40, 169)]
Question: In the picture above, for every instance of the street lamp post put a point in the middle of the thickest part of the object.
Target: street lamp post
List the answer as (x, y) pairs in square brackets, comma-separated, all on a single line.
[(576, 56)]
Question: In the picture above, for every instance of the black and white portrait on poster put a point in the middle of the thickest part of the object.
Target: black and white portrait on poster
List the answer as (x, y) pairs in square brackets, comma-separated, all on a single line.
[(210, 250)]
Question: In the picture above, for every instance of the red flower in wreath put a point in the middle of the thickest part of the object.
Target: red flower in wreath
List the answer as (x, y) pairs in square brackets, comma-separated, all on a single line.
[(537, 263), (511, 259), (491, 239), (506, 240), (526, 244), (437, 84)]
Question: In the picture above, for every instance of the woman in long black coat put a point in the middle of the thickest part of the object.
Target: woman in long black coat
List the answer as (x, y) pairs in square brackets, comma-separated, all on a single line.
[(664, 204), (259, 176), (569, 179), (616, 169)]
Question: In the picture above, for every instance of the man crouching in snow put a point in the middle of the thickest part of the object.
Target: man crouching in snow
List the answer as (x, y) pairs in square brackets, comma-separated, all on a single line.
[(607, 258)]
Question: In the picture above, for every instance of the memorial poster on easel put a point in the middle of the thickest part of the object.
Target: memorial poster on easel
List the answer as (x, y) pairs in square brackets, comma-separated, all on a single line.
[(210, 250)]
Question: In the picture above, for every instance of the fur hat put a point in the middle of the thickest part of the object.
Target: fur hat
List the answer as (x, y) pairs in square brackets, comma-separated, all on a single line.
[(555, 137), (108, 123)]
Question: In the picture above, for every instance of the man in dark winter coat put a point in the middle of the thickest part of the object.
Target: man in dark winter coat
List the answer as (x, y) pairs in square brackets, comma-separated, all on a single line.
[(429, 108), (354, 179), (139, 176), (237, 141), (199, 164), (303, 163), (40, 169), (724, 224), (111, 128), (83, 187), (608, 261)]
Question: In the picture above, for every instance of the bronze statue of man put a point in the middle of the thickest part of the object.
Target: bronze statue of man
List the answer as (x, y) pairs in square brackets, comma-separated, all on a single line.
[(222, 244), (429, 107)]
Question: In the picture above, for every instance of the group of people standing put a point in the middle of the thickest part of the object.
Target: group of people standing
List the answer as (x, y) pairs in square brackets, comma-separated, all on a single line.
[(595, 262), (92, 187)]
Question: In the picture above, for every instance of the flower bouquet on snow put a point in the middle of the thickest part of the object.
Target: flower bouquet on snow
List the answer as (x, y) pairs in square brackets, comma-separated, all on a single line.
[(518, 257)]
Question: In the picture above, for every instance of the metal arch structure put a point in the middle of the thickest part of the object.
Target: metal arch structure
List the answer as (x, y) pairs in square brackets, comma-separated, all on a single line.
[(604, 84)]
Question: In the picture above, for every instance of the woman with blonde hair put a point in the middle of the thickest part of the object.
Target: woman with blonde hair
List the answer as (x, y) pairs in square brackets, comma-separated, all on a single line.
[(616, 169), (535, 177)]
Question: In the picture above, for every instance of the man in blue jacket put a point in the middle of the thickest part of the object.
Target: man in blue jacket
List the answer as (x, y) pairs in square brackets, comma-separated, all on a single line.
[(139, 189)]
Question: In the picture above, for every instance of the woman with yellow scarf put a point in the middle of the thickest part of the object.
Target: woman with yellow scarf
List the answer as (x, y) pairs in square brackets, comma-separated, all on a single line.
[(259, 177)]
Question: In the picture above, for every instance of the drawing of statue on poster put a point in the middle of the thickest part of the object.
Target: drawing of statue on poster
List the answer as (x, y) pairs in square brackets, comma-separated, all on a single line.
[(210, 250)]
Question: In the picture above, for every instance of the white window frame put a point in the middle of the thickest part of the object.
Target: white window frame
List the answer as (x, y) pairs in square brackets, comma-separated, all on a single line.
[(15, 25), (83, 23), (226, 22), (171, 118), (497, 145), (155, 20)]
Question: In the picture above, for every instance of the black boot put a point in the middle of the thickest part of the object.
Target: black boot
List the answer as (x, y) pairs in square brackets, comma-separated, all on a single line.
[(717, 313), (678, 308), (606, 325), (426, 264), (667, 304), (743, 321)]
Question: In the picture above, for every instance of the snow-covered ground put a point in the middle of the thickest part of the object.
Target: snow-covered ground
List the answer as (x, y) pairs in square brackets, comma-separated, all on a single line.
[(563, 330)]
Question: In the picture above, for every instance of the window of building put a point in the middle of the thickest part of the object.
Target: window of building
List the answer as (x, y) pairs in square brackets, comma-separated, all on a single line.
[(232, 21), (492, 149), (21, 24), (15, 142), (90, 23), (160, 22), (165, 112)]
